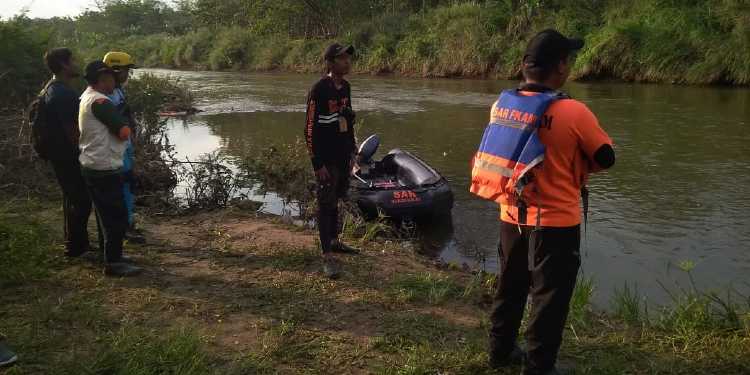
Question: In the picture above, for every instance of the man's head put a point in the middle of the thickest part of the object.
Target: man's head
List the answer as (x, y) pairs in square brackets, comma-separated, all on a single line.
[(549, 58), (60, 62), (101, 77), (121, 63), (338, 59)]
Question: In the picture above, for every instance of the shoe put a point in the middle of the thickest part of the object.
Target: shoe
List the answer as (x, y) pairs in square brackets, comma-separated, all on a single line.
[(7, 357), (121, 269), (75, 252), (88, 255), (92, 256), (340, 247), (552, 371), (135, 238), (516, 357), (126, 259), (331, 268)]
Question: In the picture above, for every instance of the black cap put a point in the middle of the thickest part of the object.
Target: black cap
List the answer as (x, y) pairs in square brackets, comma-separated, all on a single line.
[(96, 68), (335, 50), (548, 47)]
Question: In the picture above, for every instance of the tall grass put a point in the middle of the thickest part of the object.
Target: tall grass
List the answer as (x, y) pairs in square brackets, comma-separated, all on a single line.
[(580, 303), (692, 318), (703, 42), (640, 40), (628, 304)]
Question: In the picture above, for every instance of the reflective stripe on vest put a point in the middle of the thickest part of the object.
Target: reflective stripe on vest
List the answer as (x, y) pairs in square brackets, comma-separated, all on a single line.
[(510, 147)]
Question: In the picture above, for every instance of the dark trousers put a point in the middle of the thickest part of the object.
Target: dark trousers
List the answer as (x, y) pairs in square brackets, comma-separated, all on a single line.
[(76, 205), (328, 195), (106, 193), (544, 264)]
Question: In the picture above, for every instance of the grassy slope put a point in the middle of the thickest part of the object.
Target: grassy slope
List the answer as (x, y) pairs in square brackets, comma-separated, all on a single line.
[(231, 293), (638, 40)]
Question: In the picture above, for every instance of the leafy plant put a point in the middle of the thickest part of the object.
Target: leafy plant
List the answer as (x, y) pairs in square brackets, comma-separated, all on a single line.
[(209, 182), (284, 170)]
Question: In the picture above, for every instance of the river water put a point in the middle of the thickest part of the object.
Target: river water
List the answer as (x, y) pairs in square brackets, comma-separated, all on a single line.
[(680, 190)]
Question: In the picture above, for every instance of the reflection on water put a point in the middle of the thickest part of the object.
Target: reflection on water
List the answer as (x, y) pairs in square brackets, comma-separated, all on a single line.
[(677, 192)]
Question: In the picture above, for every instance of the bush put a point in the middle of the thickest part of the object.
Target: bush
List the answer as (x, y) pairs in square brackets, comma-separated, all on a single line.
[(270, 53), (147, 96), (233, 48), (22, 69), (209, 182), (286, 171), (195, 47)]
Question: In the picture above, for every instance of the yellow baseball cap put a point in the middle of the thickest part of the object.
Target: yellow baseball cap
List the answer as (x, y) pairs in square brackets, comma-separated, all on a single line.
[(117, 60)]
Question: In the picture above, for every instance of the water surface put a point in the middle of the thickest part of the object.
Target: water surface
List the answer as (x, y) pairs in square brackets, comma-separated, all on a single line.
[(679, 190)]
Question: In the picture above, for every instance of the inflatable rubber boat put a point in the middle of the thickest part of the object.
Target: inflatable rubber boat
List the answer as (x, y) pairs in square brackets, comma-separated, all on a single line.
[(399, 185)]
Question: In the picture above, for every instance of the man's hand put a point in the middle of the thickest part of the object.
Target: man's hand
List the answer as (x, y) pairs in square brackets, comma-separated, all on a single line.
[(354, 164), (322, 175), (349, 114), (124, 133)]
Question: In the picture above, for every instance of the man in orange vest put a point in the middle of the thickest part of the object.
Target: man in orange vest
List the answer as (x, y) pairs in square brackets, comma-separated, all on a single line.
[(540, 209)]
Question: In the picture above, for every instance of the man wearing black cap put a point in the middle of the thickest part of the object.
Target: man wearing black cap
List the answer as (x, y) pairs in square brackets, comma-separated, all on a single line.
[(104, 135), (540, 228), (330, 141)]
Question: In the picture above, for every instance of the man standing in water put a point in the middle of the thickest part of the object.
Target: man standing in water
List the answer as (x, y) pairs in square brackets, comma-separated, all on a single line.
[(534, 161), (330, 141)]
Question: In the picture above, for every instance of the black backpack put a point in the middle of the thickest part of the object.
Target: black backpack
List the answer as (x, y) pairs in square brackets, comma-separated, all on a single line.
[(41, 133)]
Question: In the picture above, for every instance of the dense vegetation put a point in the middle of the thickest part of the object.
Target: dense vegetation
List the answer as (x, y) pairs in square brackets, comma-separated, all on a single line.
[(685, 41)]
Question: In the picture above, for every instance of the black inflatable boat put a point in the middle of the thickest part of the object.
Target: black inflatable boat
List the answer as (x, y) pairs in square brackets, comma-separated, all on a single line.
[(399, 185)]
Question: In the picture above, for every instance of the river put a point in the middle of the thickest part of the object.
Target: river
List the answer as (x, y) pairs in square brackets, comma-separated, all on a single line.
[(679, 191)]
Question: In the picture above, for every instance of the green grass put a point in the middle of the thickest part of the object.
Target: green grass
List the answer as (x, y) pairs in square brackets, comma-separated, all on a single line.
[(25, 245), (135, 351), (580, 303), (288, 318), (427, 288), (628, 304)]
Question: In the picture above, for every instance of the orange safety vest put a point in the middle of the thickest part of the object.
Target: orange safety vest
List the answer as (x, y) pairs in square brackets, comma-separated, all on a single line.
[(510, 146)]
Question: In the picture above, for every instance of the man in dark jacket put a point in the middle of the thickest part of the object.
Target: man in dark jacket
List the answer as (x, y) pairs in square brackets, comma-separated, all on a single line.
[(61, 106), (330, 140)]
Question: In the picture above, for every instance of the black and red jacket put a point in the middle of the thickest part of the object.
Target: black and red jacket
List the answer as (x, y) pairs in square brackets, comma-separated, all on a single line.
[(329, 142)]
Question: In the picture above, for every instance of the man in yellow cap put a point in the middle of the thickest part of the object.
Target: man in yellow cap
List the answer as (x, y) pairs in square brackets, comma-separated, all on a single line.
[(121, 63)]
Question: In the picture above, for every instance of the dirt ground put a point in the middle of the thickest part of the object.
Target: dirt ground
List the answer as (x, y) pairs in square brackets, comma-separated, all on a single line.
[(231, 272), (233, 292)]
